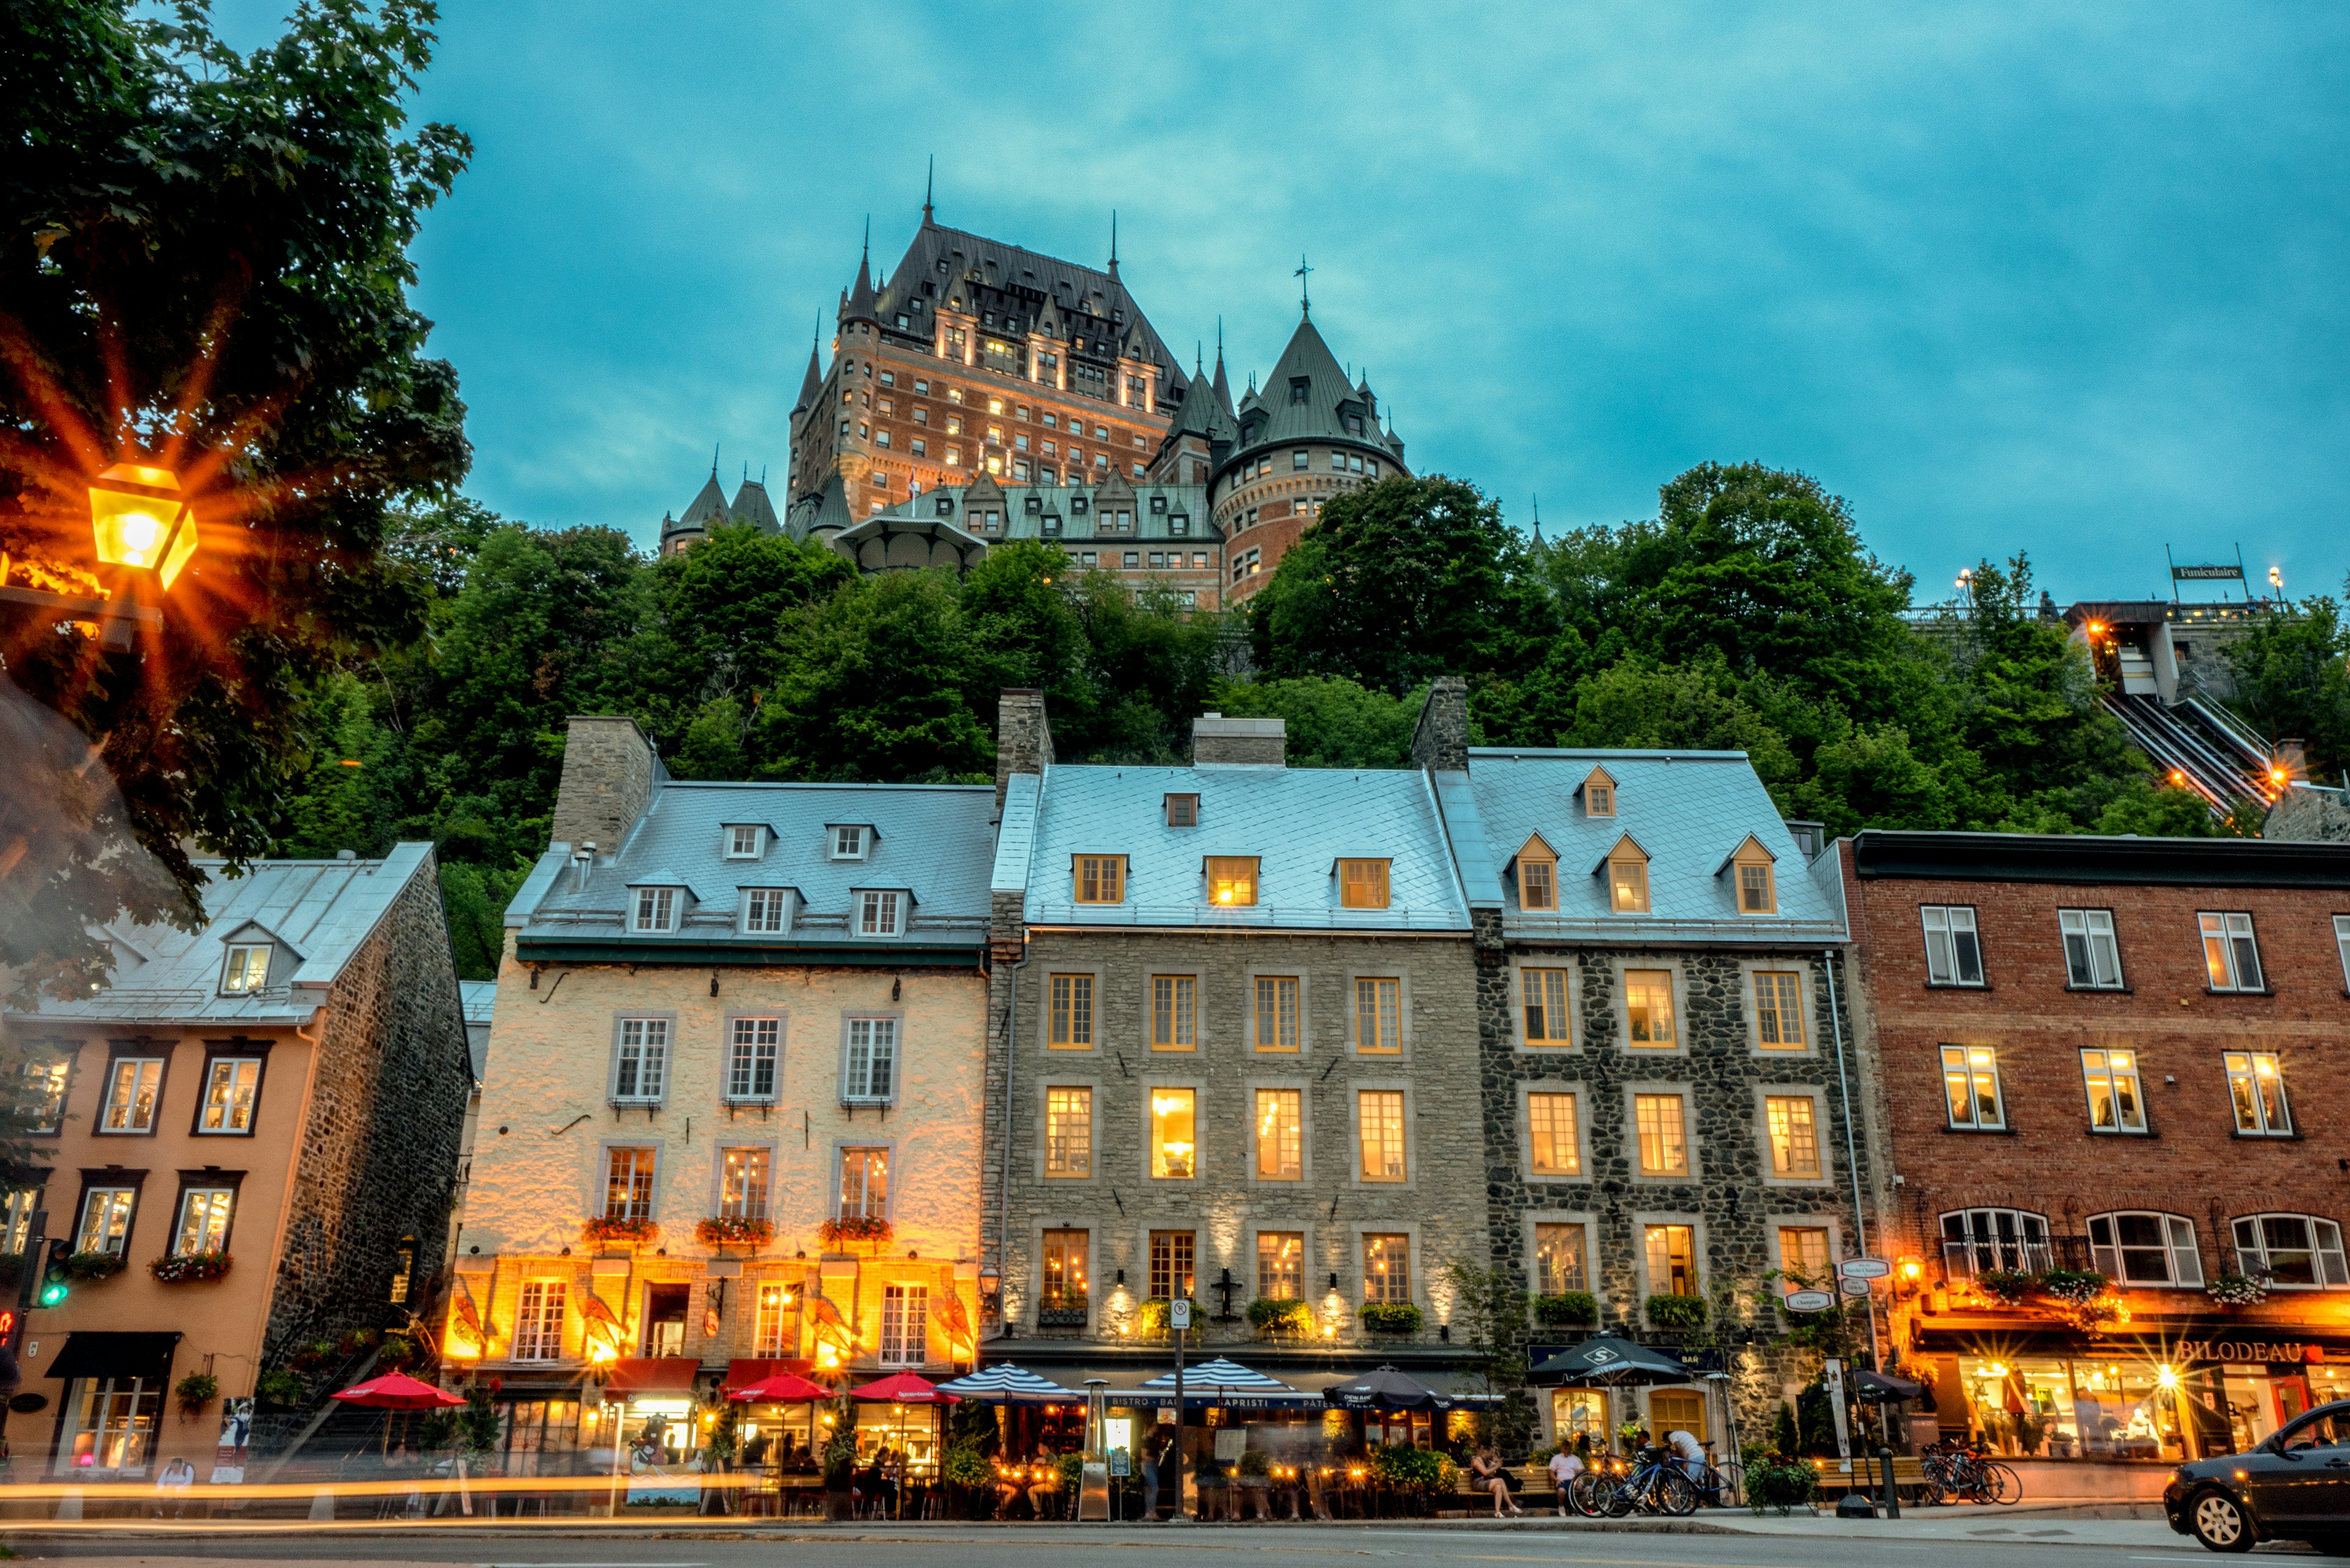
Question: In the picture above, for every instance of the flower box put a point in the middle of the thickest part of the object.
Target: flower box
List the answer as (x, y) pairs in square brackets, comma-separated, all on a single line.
[(1677, 1312), (733, 1230), (187, 1268), (2239, 1290), (1272, 1318), (629, 1231), (1572, 1307), (92, 1266), (1391, 1317), (855, 1230)]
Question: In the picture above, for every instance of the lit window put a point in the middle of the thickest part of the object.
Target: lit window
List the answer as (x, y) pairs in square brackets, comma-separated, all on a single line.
[(2000, 1240), (1170, 1264), (1544, 993), (751, 1053), (742, 1183), (1971, 1087), (2230, 954), (629, 1183), (1648, 1007), (1628, 883), (1065, 1289), (2256, 1084), (1277, 1014), (1280, 1135), (1550, 1129), (1072, 1012), (640, 1072), (1537, 877), (1068, 1133), (880, 913), (1560, 1260), (1174, 1012), (1795, 1138), (954, 457), (769, 1340), (1378, 1017), (1379, 1117), (1953, 955), (1101, 879), (1779, 1010), (231, 1082), (868, 1073), (538, 1320), (1386, 1268), (1663, 1134), (2291, 1252), (1232, 879), (247, 969), (2145, 1249), (1803, 1257), (40, 1104), (105, 1220), (863, 1183), (1363, 884), (2091, 959), (1673, 1260), (1174, 1146), (2115, 1101), (204, 1220), (1281, 1265), (766, 911), (656, 909), (133, 1084)]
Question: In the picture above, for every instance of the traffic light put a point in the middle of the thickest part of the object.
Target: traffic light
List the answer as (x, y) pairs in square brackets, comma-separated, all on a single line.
[(54, 1287)]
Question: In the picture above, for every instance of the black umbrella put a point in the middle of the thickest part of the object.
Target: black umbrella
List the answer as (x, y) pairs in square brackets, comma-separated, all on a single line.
[(1386, 1389), (1881, 1385), (1611, 1359)]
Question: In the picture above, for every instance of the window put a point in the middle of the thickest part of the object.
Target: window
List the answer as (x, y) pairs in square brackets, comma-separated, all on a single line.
[(869, 1073), (1795, 1137), (1551, 1132), (863, 1183), (1779, 1010), (403, 1273), (657, 909), (1559, 1265), (848, 842), (1280, 1135), (538, 1320), (1756, 893), (1068, 1133), (1598, 796), (204, 1220), (1298, 459), (1277, 1014), (1232, 879), (905, 1325), (112, 1427), (2256, 1084), (2008, 1240), (1378, 1122), (1072, 1027), (2293, 1252), (133, 1085), (1378, 1017), (1174, 1147), (641, 1073), (1803, 1257), (751, 1054), (1664, 1135), (2091, 959), (1281, 1265), (2116, 1103), (1174, 1012), (766, 911), (629, 1183), (2229, 953), (1971, 1087), (879, 914), (41, 1089), (105, 1220), (1386, 1268), (1537, 880), (743, 1182), (1673, 1260), (1170, 1264), (1065, 1288), (1363, 884), (2342, 941), (2145, 1249), (768, 1327), (1544, 993), (231, 1082), (1648, 1007), (247, 969), (1101, 879), (1628, 883), (1182, 810), (1953, 955), (954, 454), (16, 1222)]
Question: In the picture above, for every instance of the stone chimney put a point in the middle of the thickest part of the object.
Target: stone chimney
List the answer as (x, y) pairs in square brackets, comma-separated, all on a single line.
[(1440, 741), (1024, 741), (608, 771), (1217, 741)]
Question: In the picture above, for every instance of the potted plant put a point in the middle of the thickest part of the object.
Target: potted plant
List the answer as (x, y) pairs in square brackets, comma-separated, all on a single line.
[(279, 1386), (967, 1469), (620, 1233), (2081, 1297), (92, 1266), (840, 1465), (1272, 1318), (855, 1230), (182, 1268), (1152, 1318), (397, 1353), (1680, 1313), (1568, 1309), (315, 1356), (2239, 1290), (2009, 1287), (734, 1230), (1391, 1317), (193, 1392), (1776, 1481)]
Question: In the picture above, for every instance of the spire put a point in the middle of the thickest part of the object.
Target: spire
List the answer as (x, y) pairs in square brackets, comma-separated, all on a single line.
[(812, 384), (1113, 241), (713, 459), (1223, 386), (1304, 298), (1538, 538), (859, 304), (929, 181)]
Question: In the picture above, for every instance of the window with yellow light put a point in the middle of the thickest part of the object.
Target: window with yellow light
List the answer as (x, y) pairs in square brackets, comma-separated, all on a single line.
[(1232, 879), (1174, 1122)]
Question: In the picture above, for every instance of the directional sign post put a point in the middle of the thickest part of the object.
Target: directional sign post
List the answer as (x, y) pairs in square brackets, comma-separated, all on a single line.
[(1865, 1269), (1855, 1287), (1809, 1301)]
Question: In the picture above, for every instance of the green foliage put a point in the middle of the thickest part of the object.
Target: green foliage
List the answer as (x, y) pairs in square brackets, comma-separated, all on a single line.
[(1407, 1468), (195, 1391), (1783, 1438), (966, 1465), (1571, 1307), (476, 897), (278, 1386), (1489, 1315), (725, 1436), (1391, 1317), (1331, 723), (875, 685), (1677, 1312), (1150, 1315), (1270, 1317), (2292, 684), (477, 1422)]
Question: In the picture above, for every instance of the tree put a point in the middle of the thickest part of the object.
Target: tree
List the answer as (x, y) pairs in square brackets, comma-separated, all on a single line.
[(877, 685), (204, 260), (2293, 682), (1330, 723)]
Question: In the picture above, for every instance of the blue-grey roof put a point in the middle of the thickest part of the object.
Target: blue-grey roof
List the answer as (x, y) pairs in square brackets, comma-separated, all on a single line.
[(1297, 822), (1688, 810), (1052, 512), (318, 912), (933, 841)]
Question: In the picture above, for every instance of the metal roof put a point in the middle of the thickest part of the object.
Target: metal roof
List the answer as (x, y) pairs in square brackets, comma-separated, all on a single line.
[(1307, 397), (1150, 508)]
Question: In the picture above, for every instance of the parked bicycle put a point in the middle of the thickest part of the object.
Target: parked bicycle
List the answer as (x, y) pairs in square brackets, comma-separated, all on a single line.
[(1654, 1483), (1961, 1471)]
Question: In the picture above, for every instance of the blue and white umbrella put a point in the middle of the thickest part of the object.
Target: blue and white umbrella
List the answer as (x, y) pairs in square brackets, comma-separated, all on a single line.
[(1223, 1382), (1007, 1383)]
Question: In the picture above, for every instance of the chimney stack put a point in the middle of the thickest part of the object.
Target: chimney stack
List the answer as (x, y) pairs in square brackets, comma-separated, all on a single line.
[(609, 774), (1024, 741), (1219, 742), (1440, 741)]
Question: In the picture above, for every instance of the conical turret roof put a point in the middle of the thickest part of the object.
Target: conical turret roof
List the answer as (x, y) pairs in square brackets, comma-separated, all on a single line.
[(812, 383), (860, 306), (707, 507), (752, 506), (1308, 396), (1224, 388), (1201, 413)]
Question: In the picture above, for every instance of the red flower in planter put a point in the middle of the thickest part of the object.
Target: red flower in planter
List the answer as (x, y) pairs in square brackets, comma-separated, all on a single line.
[(731, 1231), (637, 1231), (184, 1268), (853, 1229)]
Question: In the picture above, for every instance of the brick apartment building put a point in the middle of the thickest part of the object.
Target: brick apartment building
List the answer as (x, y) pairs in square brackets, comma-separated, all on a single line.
[(2110, 1054)]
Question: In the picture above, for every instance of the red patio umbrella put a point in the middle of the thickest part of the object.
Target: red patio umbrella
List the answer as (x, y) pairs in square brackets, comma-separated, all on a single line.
[(903, 1388), (782, 1388), (397, 1391)]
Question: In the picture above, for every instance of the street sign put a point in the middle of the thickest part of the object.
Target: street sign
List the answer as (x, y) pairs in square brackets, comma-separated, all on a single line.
[(1178, 1313), (1856, 1287), (1809, 1301), (1864, 1268), (1121, 1463)]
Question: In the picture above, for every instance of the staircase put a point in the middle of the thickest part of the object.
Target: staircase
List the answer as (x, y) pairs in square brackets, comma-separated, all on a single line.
[(2199, 747)]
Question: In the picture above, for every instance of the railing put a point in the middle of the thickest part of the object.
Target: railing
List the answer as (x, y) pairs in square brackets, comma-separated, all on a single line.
[(1279, 917), (1965, 1260)]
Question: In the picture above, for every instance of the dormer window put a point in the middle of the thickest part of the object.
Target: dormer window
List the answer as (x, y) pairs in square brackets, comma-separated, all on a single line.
[(766, 911), (1627, 867), (1100, 878), (1363, 884), (881, 913), (655, 910), (1537, 877), (1750, 867), (850, 842), (1599, 794), (1232, 879), (746, 841), (246, 969), (1183, 811)]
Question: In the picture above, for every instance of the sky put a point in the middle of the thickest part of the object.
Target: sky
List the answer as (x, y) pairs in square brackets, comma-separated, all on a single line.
[(2063, 279)]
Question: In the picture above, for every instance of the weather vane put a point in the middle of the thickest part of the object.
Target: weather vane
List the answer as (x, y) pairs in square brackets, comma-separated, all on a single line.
[(1305, 299)]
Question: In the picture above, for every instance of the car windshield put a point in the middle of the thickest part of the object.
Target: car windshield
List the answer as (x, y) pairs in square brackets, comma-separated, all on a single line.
[(2327, 1430)]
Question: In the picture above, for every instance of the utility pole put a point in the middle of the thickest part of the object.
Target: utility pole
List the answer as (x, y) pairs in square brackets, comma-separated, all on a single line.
[(1179, 1318)]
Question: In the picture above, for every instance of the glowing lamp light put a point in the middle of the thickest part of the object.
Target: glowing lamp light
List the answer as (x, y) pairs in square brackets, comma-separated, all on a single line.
[(1912, 1268), (141, 521), (2166, 1377)]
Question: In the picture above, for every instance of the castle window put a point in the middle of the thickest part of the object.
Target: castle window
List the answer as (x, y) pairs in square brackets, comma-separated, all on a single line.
[(921, 415), (1355, 464), (1158, 503), (954, 394), (1300, 458), (882, 439), (918, 447), (922, 389), (954, 457), (1297, 387), (1178, 523), (1020, 471), (1338, 461)]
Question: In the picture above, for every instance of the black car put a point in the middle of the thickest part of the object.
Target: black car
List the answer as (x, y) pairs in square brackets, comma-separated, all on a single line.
[(2293, 1487)]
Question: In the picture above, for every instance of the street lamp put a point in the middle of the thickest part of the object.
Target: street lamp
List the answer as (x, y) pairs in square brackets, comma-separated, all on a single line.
[(140, 520)]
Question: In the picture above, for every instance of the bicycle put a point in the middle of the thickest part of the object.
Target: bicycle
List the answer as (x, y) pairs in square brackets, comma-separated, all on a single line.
[(1962, 1471), (1654, 1484), (1720, 1485)]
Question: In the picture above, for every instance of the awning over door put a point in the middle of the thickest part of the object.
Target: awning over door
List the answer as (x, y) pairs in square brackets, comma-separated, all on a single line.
[(649, 1375), (116, 1356)]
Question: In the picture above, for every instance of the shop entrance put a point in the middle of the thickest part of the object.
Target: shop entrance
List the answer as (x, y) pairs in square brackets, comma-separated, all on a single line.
[(665, 1307)]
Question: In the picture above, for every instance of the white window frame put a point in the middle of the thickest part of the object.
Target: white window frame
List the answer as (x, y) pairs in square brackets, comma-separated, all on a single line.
[(879, 914), (2256, 1103), (721, 1202), (2113, 1077), (1947, 966), (737, 849), (124, 1199), (888, 1150), (190, 1197), (535, 1338), (850, 841), (236, 1068), (655, 911), (236, 978), (2182, 1258), (905, 1326), (766, 912), (656, 1038), (2093, 954), (2022, 1245), (114, 1083), (2327, 1268), (1973, 1069), (861, 1036), (600, 1204), (2229, 936), (2342, 941), (747, 1052)]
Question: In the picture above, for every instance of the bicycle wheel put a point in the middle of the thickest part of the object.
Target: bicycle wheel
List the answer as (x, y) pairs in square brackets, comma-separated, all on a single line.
[(1674, 1494), (1622, 1497), (1584, 1493), (2007, 1487)]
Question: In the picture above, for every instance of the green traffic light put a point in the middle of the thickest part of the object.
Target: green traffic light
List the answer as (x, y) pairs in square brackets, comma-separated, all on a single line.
[(52, 1292)]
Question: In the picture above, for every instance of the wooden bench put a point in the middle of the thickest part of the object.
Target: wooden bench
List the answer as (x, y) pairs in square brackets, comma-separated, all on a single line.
[(1867, 1473)]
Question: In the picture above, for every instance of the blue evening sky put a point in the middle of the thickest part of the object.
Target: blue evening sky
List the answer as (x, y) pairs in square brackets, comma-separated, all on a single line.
[(2061, 278)]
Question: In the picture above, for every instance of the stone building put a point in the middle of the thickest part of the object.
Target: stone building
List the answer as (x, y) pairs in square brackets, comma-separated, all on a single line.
[(1232, 1049), (732, 1118), (2108, 1057), (258, 1123)]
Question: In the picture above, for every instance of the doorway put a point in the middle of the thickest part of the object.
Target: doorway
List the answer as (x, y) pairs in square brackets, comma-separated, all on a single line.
[(665, 1307)]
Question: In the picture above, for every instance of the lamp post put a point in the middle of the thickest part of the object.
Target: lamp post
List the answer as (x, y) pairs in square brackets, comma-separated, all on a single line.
[(140, 519)]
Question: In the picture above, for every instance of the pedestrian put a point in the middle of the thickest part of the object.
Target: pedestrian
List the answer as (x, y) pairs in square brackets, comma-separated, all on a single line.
[(1487, 1469), (1150, 1478), (1564, 1465), (1689, 1450)]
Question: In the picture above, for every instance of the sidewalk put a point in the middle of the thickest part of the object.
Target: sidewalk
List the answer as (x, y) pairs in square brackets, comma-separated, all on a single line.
[(2054, 1523)]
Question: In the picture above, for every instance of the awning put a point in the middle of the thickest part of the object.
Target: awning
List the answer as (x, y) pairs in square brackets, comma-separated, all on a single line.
[(1610, 1359), (649, 1375), (117, 1356), (744, 1371)]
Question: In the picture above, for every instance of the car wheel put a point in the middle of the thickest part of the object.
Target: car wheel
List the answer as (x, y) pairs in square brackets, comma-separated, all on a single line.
[(2220, 1522)]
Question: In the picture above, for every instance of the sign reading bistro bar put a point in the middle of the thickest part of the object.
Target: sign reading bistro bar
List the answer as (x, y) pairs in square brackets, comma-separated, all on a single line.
[(2246, 1350)]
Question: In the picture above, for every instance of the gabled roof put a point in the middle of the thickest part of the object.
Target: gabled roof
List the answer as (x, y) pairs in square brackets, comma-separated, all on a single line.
[(253, 931), (1738, 849), (1533, 839), (1615, 851)]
